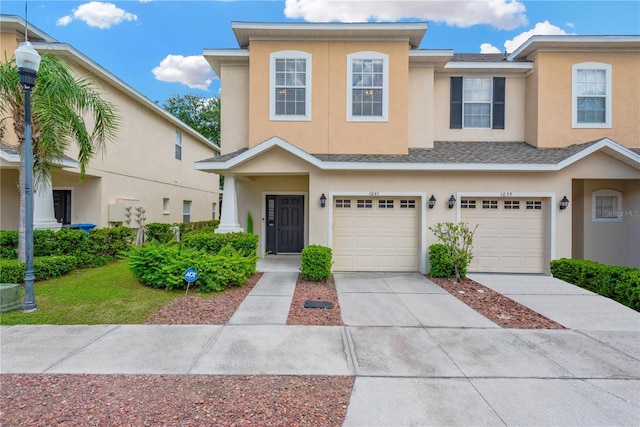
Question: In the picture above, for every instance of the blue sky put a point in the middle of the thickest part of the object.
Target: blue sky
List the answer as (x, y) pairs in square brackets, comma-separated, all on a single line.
[(155, 46)]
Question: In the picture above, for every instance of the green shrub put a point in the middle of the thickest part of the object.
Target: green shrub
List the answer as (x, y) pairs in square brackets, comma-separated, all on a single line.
[(621, 284), (187, 227), (44, 268), (75, 243), (440, 265), (45, 243), (206, 240), (457, 239), (159, 232), (162, 266), (316, 263), (8, 244), (109, 244)]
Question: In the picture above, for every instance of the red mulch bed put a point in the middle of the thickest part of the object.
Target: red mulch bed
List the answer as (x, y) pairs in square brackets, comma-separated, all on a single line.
[(495, 306), (316, 291)]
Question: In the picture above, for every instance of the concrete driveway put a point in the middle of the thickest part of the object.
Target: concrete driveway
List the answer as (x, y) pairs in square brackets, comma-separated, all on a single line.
[(419, 355)]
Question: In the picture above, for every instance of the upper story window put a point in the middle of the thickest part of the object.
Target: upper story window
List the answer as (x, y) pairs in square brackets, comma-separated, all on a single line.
[(591, 100), (477, 102), (178, 144), (290, 86), (368, 87)]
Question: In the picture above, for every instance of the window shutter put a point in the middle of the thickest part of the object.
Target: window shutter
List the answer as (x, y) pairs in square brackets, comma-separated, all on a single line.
[(498, 102), (455, 117)]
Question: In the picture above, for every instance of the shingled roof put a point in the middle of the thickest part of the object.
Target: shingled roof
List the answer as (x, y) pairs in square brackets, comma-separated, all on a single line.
[(496, 152)]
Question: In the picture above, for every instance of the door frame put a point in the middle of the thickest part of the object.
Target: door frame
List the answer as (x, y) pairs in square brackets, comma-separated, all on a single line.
[(72, 197), (263, 216)]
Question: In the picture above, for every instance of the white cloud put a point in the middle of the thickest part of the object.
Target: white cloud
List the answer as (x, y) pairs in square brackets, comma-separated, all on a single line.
[(541, 28), (502, 14), (488, 48), (193, 71), (98, 14)]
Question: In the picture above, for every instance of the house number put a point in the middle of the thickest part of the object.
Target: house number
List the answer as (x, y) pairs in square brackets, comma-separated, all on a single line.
[(374, 193), (506, 194)]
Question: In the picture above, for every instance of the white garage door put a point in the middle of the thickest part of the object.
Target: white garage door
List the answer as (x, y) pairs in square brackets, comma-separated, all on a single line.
[(375, 234), (510, 236)]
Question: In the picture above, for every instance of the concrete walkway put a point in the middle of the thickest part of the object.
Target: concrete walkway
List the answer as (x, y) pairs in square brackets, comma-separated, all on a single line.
[(419, 355)]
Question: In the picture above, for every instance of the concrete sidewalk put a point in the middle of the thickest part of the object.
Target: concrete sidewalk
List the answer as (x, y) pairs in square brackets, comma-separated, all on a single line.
[(419, 355)]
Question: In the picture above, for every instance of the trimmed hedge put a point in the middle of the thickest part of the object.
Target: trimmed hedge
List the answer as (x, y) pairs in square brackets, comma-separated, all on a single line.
[(621, 284), (163, 266), (316, 263), (44, 268), (206, 240), (440, 264), (93, 249)]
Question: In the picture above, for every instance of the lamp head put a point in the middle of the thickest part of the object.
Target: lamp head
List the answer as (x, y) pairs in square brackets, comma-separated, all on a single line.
[(28, 62)]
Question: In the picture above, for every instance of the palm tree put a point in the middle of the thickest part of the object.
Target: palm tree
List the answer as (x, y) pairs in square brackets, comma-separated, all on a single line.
[(61, 106)]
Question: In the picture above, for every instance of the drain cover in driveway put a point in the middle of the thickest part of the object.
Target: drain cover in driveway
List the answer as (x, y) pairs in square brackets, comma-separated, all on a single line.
[(317, 304)]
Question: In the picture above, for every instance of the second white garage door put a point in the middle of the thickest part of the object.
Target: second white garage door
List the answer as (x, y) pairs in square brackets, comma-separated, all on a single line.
[(510, 237), (375, 234)]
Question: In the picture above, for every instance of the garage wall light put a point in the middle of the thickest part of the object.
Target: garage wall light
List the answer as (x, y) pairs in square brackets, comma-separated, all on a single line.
[(323, 201), (432, 202), (564, 203), (452, 202)]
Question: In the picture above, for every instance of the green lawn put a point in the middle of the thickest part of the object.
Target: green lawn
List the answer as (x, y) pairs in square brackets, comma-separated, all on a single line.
[(105, 295)]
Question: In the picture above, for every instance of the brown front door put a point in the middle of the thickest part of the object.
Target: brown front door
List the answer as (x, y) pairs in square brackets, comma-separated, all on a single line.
[(285, 223)]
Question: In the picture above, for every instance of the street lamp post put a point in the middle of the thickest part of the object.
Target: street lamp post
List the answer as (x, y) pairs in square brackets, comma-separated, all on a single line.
[(28, 62)]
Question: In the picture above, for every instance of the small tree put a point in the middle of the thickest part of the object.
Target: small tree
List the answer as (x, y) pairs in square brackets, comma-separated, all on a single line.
[(458, 240)]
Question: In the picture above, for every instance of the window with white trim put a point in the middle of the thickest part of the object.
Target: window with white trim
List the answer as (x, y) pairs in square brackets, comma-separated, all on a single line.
[(385, 204), (165, 206), (214, 209), (534, 205), (467, 204), (512, 204), (606, 206), (591, 95), (186, 211), (365, 204), (368, 87), (489, 204), (408, 204), (290, 85), (177, 142), (343, 203), (476, 100)]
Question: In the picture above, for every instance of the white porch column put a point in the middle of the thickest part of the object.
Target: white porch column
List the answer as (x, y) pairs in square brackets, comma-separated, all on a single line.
[(43, 214), (229, 214)]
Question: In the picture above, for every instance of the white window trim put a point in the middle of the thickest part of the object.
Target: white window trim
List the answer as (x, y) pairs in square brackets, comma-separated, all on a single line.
[(574, 95), (606, 193), (490, 102), (385, 86), (177, 142), (165, 206), (289, 54)]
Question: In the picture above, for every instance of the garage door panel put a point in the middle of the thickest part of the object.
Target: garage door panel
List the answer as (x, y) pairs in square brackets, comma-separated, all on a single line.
[(380, 239), (509, 238)]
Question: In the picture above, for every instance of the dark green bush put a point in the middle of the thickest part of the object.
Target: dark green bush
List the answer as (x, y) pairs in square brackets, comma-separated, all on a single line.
[(621, 284), (316, 263), (440, 264), (187, 227), (159, 232), (8, 244), (206, 240), (44, 268), (109, 244), (162, 266), (45, 243)]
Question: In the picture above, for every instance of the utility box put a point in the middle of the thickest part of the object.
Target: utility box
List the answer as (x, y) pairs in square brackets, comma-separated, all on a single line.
[(116, 212)]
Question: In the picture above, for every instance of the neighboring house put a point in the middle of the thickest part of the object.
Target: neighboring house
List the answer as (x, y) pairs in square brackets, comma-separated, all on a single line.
[(344, 134), (150, 164)]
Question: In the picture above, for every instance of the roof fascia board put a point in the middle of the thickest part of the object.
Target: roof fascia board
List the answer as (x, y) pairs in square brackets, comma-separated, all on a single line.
[(328, 26), (526, 48), (612, 148), (87, 63), (66, 162), (514, 66), (17, 24)]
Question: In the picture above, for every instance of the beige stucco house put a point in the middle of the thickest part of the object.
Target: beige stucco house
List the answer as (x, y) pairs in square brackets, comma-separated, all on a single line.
[(351, 136), (150, 164)]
